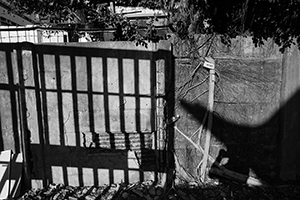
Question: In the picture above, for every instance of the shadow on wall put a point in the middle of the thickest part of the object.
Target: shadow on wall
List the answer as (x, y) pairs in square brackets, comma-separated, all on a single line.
[(255, 150), (90, 110)]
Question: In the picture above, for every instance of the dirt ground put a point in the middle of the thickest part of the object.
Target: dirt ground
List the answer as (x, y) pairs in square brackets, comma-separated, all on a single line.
[(149, 191)]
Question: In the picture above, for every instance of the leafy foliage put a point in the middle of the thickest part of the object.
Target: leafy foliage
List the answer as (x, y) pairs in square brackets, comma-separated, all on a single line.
[(91, 14), (261, 19)]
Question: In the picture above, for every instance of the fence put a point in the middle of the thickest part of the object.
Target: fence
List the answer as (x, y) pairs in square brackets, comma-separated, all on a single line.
[(34, 34)]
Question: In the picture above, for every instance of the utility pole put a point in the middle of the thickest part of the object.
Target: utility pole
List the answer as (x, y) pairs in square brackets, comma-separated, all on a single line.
[(209, 63)]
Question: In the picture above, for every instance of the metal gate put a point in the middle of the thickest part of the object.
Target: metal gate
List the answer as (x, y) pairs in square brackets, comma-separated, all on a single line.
[(87, 113)]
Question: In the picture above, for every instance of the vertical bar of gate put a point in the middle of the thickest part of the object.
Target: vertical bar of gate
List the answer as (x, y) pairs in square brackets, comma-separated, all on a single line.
[(106, 103), (90, 95), (59, 100), (75, 101), (138, 109), (105, 91), (121, 102), (106, 112), (47, 170), (122, 112), (39, 109), (44, 98), (91, 110), (153, 110), (60, 112), (25, 134)]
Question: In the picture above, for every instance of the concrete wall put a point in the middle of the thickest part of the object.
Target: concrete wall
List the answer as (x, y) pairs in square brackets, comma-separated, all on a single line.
[(246, 107), (91, 111)]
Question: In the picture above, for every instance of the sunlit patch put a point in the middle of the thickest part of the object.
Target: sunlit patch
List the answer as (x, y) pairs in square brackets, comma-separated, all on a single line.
[(57, 174), (87, 176), (118, 176), (134, 176), (73, 176), (103, 176)]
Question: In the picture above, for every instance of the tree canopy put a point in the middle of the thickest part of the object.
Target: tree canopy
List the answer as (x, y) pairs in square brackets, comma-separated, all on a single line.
[(261, 19)]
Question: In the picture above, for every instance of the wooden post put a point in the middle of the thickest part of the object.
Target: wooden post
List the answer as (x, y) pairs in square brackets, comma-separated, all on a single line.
[(210, 64)]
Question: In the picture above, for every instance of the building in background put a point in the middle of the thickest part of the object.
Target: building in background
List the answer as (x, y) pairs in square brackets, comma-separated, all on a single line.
[(21, 28)]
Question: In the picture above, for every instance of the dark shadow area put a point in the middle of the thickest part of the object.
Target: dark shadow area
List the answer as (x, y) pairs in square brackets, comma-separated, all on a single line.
[(253, 150), (86, 108)]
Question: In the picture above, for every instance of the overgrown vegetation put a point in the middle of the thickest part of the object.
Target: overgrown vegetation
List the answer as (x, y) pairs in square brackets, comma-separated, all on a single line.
[(261, 19)]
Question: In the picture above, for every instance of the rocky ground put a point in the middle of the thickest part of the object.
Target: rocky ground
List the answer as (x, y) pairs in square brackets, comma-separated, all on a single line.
[(149, 191)]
